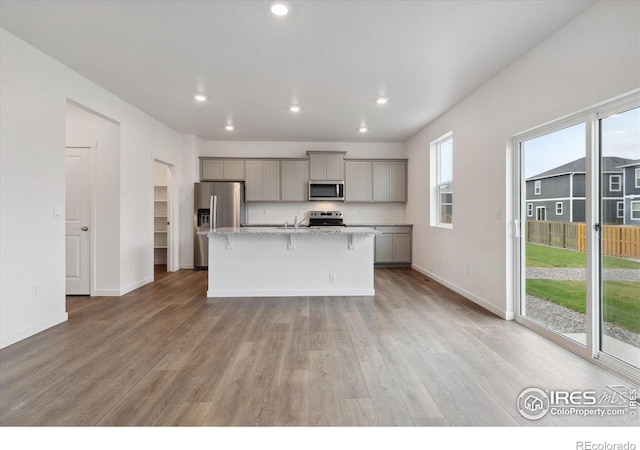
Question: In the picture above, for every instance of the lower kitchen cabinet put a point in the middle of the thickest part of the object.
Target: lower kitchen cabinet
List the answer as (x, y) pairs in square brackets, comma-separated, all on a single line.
[(393, 246)]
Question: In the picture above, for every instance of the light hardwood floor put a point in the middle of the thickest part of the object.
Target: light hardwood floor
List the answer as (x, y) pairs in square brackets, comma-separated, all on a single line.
[(415, 354)]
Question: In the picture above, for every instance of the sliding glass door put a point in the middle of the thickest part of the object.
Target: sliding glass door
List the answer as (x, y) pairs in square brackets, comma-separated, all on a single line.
[(578, 232), (620, 236), (553, 253)]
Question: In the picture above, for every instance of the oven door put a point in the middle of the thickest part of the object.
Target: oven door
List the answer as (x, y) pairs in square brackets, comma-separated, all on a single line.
[(326, 190)]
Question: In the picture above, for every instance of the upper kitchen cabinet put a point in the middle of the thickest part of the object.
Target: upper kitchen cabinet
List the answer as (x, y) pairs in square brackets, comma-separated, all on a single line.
[(216, 169), (390, 181), (376, 180), (358, 181), (326, 165), (263, 181), (294, 180)]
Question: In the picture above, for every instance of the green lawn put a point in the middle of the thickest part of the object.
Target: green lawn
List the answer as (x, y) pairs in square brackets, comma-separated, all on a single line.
[(542, 256), (621, 299)]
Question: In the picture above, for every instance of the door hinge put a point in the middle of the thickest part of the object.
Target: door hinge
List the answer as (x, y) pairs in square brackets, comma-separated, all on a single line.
[(596, 227)]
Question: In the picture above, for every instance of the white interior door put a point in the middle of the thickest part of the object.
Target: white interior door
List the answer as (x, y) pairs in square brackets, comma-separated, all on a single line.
[(78, 221)]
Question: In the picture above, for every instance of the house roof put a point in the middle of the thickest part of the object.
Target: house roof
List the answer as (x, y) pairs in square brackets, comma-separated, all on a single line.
[(630, 164), (609, 164)]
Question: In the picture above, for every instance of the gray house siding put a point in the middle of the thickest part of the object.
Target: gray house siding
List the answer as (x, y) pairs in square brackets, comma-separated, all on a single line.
[(609, 212), (554, 187), (578, 211), (579, 188)]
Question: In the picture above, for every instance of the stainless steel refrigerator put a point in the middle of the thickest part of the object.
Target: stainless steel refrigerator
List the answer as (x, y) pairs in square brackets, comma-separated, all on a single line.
[(230, 211)]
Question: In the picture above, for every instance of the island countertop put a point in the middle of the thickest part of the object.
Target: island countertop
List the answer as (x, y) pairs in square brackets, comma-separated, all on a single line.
[(302, 231)]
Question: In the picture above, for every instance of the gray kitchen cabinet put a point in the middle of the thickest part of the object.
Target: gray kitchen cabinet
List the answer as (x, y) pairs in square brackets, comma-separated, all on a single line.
[(358, 181), (294, 180), (393, 246), (326, 165), (216, 169), (389, 181), (262, 181)]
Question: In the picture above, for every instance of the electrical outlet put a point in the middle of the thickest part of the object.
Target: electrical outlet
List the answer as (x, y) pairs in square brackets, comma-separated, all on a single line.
[(498, 214), (35, 290), (130, 264), (332, 278)]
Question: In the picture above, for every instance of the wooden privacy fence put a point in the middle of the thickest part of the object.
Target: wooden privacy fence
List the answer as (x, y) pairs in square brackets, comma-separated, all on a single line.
[(617, 240)]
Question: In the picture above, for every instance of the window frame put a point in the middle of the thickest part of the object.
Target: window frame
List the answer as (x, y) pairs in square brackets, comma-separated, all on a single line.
[(529, 209), (637, 173), (631, 211), (619, 183), (436, 185), (537, 187), (559, 209), (620, 210)]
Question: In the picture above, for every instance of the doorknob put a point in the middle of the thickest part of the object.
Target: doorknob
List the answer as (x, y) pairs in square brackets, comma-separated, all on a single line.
[(85, 228)]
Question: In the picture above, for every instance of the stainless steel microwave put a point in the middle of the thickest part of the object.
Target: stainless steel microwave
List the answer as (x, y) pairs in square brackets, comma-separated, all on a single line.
[(326, 190)]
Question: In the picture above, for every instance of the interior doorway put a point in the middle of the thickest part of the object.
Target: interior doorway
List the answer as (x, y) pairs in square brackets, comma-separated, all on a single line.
[(162, 229)]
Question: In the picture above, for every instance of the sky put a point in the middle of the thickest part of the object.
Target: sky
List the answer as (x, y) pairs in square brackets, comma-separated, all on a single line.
[(620, 137)]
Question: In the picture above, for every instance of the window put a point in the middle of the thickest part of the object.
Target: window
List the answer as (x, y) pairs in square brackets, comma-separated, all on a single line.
[(615, 183), (441, 160), (635, 210), (536, 187), (558, 208), (529, 209), (541, 213), (638, 177), (620, 210)]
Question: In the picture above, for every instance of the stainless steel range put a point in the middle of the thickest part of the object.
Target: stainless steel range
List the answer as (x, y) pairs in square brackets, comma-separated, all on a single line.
[(326, 219)]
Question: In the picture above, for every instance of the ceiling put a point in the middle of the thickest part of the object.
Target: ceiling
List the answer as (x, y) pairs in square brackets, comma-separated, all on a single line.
[(333, 58)]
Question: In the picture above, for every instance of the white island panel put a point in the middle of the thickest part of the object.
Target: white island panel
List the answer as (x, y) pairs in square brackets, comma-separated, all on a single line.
[(270, 263)]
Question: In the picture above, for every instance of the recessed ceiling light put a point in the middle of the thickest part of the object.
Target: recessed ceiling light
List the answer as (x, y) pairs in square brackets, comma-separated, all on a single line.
[(229, 127), (363, 129), (280, 8), (294, 108), (200, 97), (382, 101)]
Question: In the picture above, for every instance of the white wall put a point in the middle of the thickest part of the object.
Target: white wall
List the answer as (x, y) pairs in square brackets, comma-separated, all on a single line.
[(594, 58), (85, 129), (34, 94)]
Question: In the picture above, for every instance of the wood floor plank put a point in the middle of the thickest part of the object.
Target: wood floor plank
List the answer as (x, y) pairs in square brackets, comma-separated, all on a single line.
[(415, 354)]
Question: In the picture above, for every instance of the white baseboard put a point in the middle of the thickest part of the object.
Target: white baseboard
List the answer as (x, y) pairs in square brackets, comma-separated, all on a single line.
[(6, 341), (136, 285), (106, 293), (292, 293), (466, 294), (186, 266)]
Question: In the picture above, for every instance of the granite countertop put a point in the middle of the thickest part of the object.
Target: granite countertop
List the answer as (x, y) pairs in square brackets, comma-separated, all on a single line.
[(380, 225), (261, 230), (348, 225)]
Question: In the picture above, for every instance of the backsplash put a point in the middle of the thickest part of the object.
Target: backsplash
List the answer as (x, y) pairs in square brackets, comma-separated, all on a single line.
[(354, 213)]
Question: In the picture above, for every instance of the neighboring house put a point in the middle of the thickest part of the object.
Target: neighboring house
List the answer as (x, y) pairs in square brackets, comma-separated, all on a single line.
[(559, 194), (631, 210)]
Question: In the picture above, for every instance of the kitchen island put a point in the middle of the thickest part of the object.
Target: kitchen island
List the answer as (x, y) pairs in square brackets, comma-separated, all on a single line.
[(285, 262)]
